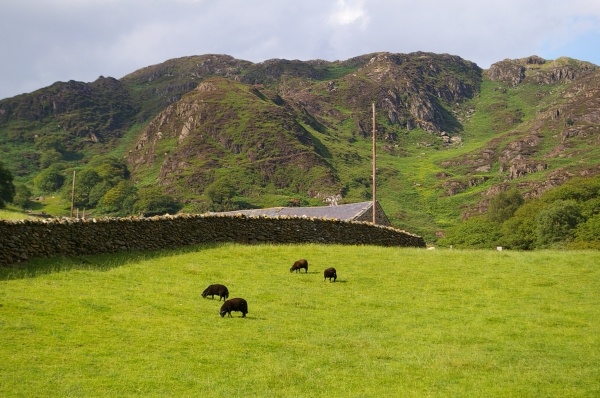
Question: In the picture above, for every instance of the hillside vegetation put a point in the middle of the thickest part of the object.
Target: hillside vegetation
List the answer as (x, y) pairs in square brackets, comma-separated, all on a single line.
[(212, 132), (398, 322)]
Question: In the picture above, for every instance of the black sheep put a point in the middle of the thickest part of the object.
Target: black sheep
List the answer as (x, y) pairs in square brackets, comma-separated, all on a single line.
[(235, 304), (219, 290), (330, 273), (298, 265)]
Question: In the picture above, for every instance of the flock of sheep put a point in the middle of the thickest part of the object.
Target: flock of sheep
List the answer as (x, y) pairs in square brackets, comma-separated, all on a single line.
[(239, 304)]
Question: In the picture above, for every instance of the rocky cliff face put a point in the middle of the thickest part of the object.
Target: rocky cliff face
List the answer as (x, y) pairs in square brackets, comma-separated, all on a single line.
[(538, 70), (416, 90), (568, 128), (199, 135), (97, 111)]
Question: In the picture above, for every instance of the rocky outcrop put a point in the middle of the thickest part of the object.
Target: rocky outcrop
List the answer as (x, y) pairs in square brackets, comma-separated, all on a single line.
[(274, 69), (100, 110), (415, 90), (507, 71), (539, 70), (516, 158)]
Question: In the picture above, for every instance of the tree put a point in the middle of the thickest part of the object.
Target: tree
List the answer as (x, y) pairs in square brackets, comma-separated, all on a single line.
[(119, 199), (49, 180), (97, 192), (85, 181), (22, 196), (7, 188), (557, 222), (109, 168), (220, 193), (591, 207), (518, 232), (579, 189), (589, 230), (503, 206), (55, 142), (152, 202), (50, 157), (476, 232)]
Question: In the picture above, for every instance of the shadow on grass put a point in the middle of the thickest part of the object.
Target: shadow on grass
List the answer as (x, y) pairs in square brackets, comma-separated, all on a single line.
[(98, 262)]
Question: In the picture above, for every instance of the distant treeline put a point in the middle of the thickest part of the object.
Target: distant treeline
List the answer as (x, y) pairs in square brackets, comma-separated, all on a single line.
[(566, 217)]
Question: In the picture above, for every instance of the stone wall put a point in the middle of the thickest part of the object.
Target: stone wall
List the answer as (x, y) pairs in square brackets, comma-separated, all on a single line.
[(22, 240)]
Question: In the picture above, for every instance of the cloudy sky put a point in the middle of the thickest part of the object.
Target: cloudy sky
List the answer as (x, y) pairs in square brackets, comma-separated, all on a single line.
[(44, 41)]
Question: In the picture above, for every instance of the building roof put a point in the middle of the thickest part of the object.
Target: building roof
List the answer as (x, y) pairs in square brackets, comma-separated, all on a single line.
[(348, 212)]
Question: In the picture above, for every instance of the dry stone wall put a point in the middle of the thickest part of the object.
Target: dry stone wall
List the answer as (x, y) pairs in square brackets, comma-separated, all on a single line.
[(22, 240)]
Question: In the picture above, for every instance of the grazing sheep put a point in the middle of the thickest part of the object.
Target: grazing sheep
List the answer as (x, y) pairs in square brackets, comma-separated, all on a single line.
[(218, 290), (330, 273), (298, 265), (235, 304)]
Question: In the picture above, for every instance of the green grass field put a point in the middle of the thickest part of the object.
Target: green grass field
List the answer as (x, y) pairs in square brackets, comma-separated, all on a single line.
[(11, 213), (397, 323)]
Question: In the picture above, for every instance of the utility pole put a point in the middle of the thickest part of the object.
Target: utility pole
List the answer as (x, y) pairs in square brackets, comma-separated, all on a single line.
[(374, 169), (73, 194)]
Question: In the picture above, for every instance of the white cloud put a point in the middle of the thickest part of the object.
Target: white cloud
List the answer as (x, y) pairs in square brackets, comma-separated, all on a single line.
[(42, 41), (346, 12)]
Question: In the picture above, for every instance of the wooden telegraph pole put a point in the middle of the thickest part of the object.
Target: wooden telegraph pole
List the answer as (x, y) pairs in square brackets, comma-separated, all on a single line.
[(73, 194), (374, 169)]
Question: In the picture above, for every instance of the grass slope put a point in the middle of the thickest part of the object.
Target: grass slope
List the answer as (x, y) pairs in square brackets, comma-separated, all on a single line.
[(399, 322)]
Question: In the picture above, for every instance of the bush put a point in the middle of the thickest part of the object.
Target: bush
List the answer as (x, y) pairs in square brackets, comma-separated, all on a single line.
[(85, 181), (519, 231), (50, 157), (476, 232), (503, 206), (588, 231), (49, 180), (109, 168), (120, 199), (22, 196), (7, 189), (557, 222), (152, 202), (220, 194)]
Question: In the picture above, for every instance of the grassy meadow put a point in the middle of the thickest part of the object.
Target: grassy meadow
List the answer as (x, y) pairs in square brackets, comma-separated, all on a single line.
[(13, 214), (397, 323)]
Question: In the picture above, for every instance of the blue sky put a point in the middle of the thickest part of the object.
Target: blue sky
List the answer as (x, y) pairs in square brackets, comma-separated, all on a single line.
[(585, 47), (44, 41)]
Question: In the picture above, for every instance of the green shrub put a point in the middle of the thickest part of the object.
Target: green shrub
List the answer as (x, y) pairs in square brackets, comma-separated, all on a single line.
[(7, 188), (153, 202), (476, 232), (49, 180), (22, 196), (557, 222), (503, 206)]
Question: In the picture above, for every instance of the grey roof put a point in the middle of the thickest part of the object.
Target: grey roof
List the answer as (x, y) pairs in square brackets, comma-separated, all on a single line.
[(339, 212)]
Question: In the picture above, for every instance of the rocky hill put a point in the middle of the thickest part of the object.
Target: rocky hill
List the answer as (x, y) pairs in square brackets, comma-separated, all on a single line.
[(450, 135), (557, 141)]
